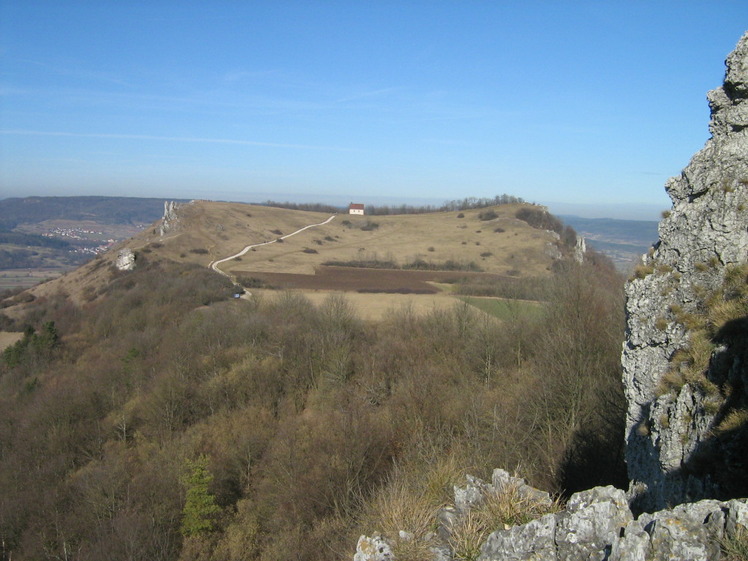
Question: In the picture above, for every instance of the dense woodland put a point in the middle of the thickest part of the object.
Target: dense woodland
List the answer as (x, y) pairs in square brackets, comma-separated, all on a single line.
[(165, 420)]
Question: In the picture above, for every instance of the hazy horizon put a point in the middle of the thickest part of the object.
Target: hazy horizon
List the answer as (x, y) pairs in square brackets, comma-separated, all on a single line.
[(615, 212)]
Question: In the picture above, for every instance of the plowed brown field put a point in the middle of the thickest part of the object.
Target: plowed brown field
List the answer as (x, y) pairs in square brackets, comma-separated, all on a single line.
[(352, 279)]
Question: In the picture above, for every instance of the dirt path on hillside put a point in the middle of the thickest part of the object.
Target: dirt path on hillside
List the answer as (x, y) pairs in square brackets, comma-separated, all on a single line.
[(214, 264)]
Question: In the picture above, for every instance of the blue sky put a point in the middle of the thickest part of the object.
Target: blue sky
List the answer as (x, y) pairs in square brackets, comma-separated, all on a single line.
[(585, 103)]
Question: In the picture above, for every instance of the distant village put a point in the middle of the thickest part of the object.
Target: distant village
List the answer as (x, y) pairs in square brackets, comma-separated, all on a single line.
[(74, 233), (86, 239), (83, 235)]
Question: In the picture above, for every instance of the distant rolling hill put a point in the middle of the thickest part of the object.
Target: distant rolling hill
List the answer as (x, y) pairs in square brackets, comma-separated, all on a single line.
[(484, 241), (491, 240), (624, 241), (491, 243)]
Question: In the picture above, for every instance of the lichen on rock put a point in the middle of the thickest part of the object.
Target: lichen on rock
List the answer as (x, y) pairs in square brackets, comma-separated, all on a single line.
[(373, 549)]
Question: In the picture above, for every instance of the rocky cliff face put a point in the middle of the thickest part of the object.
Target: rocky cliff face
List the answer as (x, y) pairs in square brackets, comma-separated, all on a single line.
[(684, 360)]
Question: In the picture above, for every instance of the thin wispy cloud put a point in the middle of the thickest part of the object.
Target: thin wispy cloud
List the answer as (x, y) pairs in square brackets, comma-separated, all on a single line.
[(74, 69), (197, 101), (11, 90), (241, 75), (11, 132), (456, 142), (373, 93)]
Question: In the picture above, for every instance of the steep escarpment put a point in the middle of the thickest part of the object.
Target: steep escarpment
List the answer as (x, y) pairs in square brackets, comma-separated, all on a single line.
[(684, 360)]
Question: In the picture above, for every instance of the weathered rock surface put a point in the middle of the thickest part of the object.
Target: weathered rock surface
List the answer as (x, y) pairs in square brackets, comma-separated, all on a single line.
[(373, 549), (534, 540), (596, 524), (688, 531), (170, 219), (125, 260), (669, 433), (586, 529), (580, 248)]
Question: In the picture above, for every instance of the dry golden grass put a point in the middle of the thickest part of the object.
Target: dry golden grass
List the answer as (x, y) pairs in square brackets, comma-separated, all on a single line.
[(410, 501), (8, 338), (75, 284), (209, 231), (398, 507), (735, 547), (377, 306), (411, 505), (734, 420), (497, 511), (435, 237), (224, 229)]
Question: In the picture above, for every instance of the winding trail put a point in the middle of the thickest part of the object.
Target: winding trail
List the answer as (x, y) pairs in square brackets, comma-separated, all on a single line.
[(214, 264)]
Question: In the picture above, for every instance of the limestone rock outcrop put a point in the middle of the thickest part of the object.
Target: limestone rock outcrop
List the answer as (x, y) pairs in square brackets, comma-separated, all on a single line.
[(672, 408), (580, 248), (373, 549), (170, 219), (596, 524), (125, 260)]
